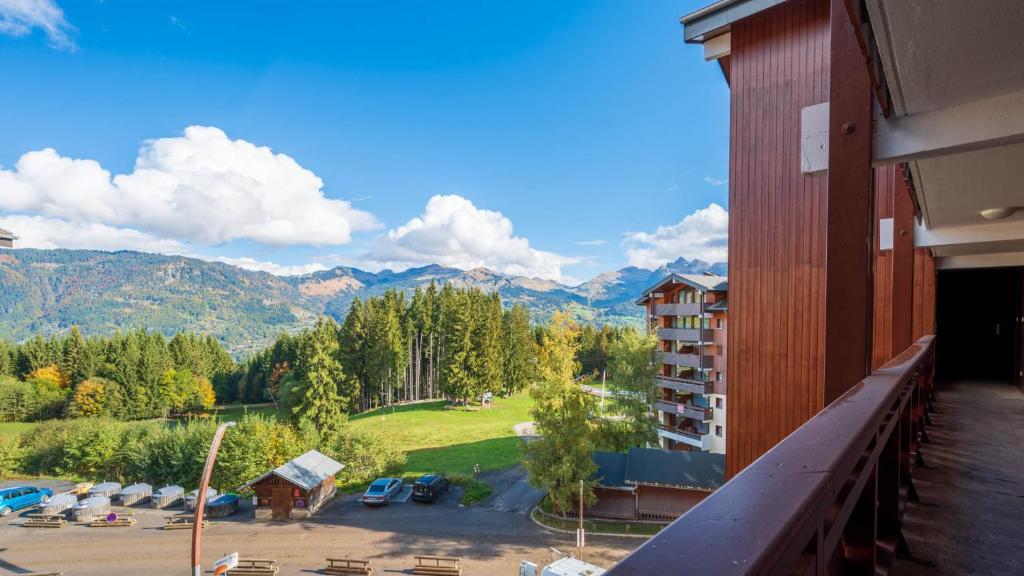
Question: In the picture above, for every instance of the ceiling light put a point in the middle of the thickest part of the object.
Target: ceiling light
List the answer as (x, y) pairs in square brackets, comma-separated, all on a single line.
[(999, 213)]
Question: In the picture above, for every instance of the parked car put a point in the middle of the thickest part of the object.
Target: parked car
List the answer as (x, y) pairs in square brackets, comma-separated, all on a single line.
[(429, 488), (12, 499), (382, 490)]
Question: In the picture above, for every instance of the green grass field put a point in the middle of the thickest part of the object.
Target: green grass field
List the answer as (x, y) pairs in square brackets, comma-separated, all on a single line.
[(434, 437), (452, 440), (10, 428)]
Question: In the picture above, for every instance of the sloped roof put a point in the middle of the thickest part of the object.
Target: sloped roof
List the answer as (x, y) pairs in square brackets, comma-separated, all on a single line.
[(7, 234), (611, 469), (720, 306), (702, 282), (307, 471), (654, 467)]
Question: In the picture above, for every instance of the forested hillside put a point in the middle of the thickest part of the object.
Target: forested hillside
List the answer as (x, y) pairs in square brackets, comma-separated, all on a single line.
[(44, 292)]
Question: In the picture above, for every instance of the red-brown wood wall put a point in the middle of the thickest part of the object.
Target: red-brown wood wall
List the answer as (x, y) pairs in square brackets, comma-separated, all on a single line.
[(777, 218)]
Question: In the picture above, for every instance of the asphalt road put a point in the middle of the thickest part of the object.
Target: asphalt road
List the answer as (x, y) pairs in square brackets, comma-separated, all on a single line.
[(491, 538)]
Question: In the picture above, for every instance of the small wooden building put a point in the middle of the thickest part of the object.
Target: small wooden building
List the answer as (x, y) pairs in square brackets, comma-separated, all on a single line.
[(653, 484), (296, 489)]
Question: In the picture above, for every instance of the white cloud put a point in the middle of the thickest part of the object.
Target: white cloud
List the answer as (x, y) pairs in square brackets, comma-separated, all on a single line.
[(703, 234), (715, 181), (20, 17), (453, 232), (200, 187), (43, 232), (590, 242), (273, 268)]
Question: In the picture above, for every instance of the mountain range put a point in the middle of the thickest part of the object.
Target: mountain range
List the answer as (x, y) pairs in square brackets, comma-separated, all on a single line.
[(48, 291)]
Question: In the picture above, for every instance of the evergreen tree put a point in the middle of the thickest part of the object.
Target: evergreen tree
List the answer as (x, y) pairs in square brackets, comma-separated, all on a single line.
[(318, 403), (519, 349), (77, 365)]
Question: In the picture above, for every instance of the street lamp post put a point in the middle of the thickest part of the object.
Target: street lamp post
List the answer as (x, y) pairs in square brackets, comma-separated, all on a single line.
[(204, 483)]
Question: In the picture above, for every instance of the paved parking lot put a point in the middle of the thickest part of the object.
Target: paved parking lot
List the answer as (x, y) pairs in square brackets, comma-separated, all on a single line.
[(491, 538)]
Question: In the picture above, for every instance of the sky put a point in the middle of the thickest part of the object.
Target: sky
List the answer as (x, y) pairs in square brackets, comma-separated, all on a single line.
[(556, 140)]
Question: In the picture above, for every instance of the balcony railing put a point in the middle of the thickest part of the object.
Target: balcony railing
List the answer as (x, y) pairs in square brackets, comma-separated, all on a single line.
[(827, 499), (702, 441), (686, 334), (683, 385), (683, 309), (699, 413), (686, 360)]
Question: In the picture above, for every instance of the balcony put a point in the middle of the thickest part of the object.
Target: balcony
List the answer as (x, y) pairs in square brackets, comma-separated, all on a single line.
[(686, 334), (719, 336), (698, 413), (683, 385), (832, 496), (684, 309), (701, 441), (686, 360)]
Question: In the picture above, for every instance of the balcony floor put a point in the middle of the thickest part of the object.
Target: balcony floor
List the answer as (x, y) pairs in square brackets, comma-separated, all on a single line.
[(972, 493)]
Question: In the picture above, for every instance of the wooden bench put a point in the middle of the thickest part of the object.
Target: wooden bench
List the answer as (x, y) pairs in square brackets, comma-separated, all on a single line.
[(45, 521), (121, 522), (255, 567), (348, 566), (438, 566), (181, 522)]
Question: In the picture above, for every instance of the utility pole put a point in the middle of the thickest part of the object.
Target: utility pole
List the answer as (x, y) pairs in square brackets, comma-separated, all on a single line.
[(579, 535), (604, 391)]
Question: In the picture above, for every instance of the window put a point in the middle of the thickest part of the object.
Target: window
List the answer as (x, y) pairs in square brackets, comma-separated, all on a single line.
[(718, 403), (718, 324), (718, 376), (718, 431), (707, 323)]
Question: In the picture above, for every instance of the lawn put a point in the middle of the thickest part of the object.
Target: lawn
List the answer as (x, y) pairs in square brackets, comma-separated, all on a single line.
[(437, 438), (10, 428), (236, 411)]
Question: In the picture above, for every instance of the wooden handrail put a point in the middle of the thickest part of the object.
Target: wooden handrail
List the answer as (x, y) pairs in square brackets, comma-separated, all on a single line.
[(829, 495)]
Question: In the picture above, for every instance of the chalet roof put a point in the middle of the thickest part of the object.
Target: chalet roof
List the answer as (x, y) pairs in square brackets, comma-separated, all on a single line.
[(655, 467), (702, 282), (720, 306), (611, 469), (307, 471), (7, 235)]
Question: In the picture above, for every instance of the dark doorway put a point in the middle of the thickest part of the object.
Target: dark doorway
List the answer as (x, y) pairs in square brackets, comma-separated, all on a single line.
[(978, 332)]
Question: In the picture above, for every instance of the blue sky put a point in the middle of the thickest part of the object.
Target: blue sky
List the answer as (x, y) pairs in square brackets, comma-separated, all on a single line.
[(553, 139)]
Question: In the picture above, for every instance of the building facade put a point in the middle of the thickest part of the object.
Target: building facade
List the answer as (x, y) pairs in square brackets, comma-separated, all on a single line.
[(7, 239), (688, 314)]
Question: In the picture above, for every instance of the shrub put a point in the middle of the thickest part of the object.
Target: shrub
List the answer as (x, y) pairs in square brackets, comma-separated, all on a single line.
[(254, 446), (365, 456), (10, 455), (473, 490)]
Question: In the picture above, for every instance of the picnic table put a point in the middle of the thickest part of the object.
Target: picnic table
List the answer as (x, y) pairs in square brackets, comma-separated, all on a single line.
[(255, 567), (438, 566), (348, 566)]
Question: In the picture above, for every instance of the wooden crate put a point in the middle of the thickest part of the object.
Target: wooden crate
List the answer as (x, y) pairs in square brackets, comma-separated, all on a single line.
[(438, 566), (348, 566), (255, 567)]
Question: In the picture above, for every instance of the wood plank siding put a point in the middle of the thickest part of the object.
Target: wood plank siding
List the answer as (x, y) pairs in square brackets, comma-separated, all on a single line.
[(777, 219)]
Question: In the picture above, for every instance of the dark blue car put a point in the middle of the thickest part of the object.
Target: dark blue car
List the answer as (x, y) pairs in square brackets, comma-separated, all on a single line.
[(19, 497)]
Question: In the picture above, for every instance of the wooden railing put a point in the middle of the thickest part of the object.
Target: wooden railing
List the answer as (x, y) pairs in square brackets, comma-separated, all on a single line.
[(827, 499)]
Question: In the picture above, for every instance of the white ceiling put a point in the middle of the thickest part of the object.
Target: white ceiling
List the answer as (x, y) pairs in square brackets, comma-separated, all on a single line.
[(946, 52), (942, 53), (958, 187)]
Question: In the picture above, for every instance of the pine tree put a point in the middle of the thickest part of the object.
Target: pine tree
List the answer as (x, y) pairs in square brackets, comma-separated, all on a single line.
[(352, 352), (77, 365), (519, 350), (318, 404)]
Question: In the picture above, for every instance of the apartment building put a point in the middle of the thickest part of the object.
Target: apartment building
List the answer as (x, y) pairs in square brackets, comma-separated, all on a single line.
[(7, 239), (688, 314)]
